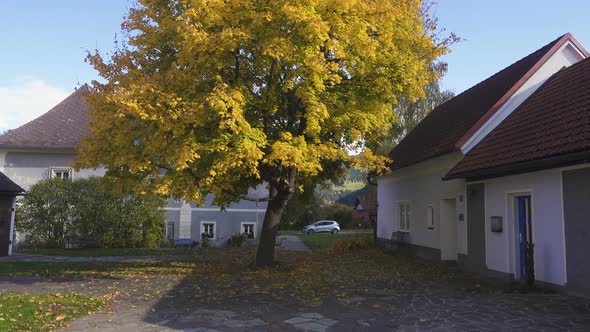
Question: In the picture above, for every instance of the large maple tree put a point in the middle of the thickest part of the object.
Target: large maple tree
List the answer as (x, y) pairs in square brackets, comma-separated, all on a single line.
[(214, 96)]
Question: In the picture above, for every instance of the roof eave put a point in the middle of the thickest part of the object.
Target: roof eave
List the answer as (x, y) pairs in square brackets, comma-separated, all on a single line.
[(12, 193), (445, 152), (36, 147), (522, 167)]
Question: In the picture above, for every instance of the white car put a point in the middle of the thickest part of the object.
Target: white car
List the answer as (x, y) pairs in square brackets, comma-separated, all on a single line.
[(322, 226)]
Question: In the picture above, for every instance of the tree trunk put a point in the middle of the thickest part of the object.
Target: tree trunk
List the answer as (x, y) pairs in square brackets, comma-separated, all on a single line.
[(265, 256)]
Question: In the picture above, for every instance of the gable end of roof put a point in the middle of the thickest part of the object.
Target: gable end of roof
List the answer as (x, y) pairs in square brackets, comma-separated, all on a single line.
[(496, 107), (548, 130), (438, 133)]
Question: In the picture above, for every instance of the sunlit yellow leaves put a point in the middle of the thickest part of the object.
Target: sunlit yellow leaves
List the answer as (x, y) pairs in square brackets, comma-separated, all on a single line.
[(221, 94), (294, 152), (277, 48)]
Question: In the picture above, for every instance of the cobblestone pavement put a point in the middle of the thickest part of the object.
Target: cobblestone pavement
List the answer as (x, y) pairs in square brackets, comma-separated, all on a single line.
[(164, 303)]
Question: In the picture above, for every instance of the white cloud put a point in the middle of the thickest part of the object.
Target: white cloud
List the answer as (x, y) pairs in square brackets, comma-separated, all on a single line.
[(25, 100)]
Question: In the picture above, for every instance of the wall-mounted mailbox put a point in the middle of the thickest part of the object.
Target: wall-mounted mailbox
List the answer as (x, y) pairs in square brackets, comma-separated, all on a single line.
[(496, 224)]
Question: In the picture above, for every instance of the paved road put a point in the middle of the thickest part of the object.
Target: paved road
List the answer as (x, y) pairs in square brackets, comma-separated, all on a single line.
[(18, 257)]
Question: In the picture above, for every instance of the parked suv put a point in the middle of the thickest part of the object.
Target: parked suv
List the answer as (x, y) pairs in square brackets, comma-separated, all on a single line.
[(328, 226)]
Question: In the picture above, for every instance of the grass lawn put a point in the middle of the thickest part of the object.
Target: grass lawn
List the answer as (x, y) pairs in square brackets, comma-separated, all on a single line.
[(25, 312), (96, 252), (198, 258), (324, 241), (93, 269), (289, 232)]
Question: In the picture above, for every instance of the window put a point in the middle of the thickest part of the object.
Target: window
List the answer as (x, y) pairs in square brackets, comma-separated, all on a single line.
[(170, 230), (208, 230), (248, 230), (403, 214), (430, 217), (60, 173)]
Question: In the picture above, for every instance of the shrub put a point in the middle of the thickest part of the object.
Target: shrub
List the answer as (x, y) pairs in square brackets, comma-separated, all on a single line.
[(351, 243), (89, 211), (344, 215), (205, 243), (45, 213), (236, 240)]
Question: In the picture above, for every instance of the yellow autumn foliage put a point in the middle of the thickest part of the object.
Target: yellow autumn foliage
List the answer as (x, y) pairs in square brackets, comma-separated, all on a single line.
[(219, 96)]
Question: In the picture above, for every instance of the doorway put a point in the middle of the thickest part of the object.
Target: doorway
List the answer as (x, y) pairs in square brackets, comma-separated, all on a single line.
[(448, 229), (524, 233), (5, 224)]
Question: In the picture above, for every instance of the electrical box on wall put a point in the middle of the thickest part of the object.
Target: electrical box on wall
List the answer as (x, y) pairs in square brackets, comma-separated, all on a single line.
[(496, 224)]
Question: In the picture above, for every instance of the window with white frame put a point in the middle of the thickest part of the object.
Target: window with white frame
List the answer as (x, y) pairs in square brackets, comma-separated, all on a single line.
[(403, 215), (430, 217), (207, 230), (248, 229), (63, 173)]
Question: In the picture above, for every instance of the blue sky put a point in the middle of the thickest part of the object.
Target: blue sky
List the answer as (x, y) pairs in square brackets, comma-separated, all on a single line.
[(44, 43)]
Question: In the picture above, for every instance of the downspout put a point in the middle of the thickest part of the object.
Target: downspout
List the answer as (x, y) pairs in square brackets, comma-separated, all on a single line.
[(11, 232), (369, 181), (257, 228)]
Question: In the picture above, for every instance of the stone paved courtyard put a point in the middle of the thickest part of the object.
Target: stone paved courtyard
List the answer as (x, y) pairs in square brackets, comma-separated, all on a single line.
[(177, 302)]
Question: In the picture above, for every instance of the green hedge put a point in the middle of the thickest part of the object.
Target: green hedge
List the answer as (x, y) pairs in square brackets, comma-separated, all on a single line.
[(89, 213)]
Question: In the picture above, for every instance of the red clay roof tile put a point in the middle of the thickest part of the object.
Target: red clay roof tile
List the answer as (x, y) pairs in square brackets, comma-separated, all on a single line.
[(438, 133), (549, 126)]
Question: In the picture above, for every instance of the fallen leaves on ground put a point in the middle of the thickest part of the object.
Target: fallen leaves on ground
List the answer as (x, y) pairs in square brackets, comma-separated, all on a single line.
[(45, 312), (219, 275)]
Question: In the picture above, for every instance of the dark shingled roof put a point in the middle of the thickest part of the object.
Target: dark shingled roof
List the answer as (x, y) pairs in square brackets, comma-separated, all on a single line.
[(550, 129), (61, 127), (438, 133), (7, 186)]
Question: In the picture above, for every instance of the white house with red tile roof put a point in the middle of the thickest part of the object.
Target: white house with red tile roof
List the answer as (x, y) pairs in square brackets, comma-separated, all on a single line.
[(456, 194)]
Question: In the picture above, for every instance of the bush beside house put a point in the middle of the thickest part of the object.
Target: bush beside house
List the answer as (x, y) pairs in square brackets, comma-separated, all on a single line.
[(88, 213)]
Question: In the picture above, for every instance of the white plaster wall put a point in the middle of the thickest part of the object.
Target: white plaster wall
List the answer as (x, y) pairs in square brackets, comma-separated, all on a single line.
[(421, 185), (567, 55), (2, 157), (27, 168), (547, 220)]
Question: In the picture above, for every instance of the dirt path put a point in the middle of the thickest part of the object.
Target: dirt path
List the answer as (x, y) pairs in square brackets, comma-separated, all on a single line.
[(292, 242)]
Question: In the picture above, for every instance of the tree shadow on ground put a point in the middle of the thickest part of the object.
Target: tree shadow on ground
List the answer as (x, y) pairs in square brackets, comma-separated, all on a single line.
[(358, 289)]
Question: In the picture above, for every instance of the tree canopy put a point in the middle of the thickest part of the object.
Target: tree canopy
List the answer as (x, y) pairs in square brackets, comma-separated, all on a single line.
[(220, 96)]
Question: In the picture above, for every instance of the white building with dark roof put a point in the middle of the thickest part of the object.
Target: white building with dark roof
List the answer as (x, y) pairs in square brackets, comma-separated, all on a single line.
[(46, 148)]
